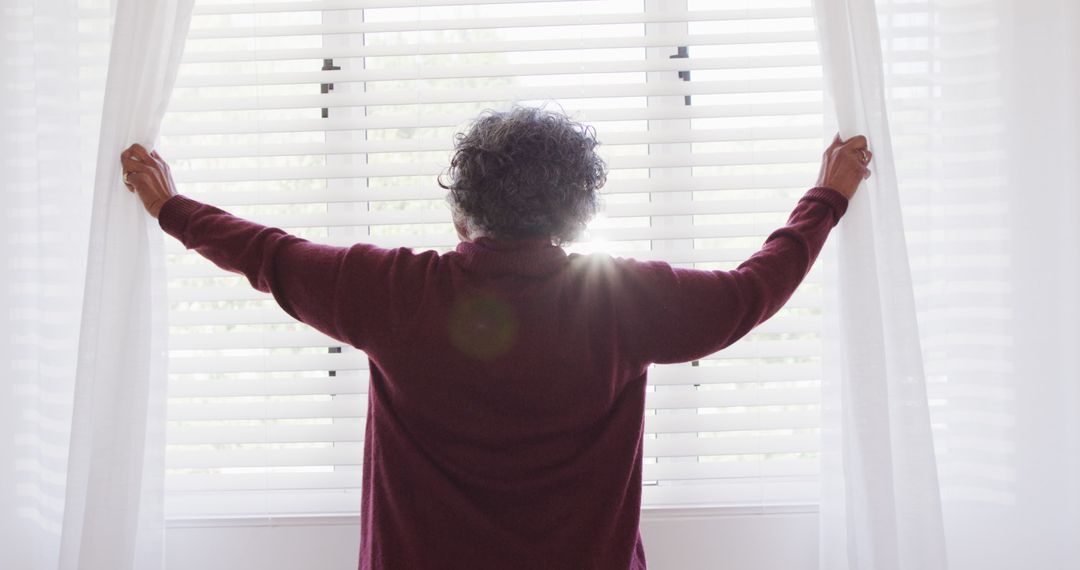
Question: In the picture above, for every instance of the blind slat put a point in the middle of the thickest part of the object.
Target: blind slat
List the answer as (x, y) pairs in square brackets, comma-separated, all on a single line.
[(720, 492), (330, 5), (337, 454), (234, 293), (397, 193), (278, 503), (605, 235), (674, 87), (433, 169), (734, 422), (232, 339), (176, 125), (706, 446), (353, 453), (678, 399), (357, 386), (684, 471), (351, 430), (508, 46), (342, 430), (194, 484), (274, 338), (610, 211), (337, 407), (347, 361), (300, 385), (650, 17), (734, 492), (350, 478), (668, 375), (405, 72), (352, 406), (356, 382), (668, 136), (268, 362), (704, 255)]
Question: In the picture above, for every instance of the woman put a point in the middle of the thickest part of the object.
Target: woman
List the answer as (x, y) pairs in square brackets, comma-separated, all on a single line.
[(507, 388)]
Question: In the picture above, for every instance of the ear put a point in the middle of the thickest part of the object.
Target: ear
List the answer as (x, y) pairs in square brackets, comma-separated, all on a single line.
[(460, 227)]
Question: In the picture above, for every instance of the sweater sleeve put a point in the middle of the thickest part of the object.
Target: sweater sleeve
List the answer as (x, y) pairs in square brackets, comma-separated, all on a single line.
[(679, 315), (306, 279)]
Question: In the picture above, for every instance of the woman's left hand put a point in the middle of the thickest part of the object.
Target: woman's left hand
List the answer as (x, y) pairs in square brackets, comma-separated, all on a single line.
[(148, 175)]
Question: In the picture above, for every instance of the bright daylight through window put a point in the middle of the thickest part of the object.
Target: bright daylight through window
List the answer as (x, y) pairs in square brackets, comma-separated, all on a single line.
[(332, 122)]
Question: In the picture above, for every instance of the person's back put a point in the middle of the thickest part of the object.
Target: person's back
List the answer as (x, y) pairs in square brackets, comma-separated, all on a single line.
[(507, 390), (505, 416)]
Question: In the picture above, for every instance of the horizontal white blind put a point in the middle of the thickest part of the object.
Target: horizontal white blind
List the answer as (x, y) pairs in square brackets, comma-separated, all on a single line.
[(331, 119)]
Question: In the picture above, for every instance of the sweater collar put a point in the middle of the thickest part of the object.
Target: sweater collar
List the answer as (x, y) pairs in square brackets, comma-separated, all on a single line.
[(525, 256)]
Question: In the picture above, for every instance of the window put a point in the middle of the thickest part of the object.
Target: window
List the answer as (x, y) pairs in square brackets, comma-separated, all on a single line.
[(331, 120)]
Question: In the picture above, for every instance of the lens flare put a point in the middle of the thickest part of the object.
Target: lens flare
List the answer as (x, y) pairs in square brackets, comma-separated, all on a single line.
[(483, 327)]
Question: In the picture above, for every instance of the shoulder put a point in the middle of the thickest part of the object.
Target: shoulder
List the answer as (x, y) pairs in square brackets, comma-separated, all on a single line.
[(369, 257), (619, 273), (650, 278), (616, 265)]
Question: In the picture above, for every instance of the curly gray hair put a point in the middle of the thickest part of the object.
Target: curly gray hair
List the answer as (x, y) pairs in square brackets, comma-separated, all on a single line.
[(526, 172)]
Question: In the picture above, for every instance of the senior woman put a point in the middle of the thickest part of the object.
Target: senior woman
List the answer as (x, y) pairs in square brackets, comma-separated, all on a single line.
[(507, 384)]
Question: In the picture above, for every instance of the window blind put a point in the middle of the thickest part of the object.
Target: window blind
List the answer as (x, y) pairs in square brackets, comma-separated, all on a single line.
[(331, 120)]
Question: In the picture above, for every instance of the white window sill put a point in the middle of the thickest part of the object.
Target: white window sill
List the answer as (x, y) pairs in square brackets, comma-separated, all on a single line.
[(647, 514)]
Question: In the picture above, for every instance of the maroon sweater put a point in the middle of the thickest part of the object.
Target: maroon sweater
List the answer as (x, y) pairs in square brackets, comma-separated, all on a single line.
[(507, 389)]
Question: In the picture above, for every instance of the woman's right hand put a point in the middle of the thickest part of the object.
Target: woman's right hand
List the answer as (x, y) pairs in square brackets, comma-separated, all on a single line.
[(844, 165), (148, 175)]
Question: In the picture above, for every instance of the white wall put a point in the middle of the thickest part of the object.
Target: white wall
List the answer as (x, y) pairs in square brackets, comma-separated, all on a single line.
[(674, 540)]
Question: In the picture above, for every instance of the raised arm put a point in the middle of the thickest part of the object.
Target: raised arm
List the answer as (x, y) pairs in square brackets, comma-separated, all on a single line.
[(314, 283), (304, 277), (679, 315)]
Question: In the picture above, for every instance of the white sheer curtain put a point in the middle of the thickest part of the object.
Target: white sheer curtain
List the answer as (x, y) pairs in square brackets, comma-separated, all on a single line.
[(82, 422), (880, 505), (982, 128), (46, 156)]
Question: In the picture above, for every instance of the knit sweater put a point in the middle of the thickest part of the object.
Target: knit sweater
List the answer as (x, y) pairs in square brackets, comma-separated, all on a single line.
[(507, 378)]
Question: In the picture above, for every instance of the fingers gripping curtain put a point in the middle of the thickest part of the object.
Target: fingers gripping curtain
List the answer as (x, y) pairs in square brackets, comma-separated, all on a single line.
[(113, 516), (880, 503)]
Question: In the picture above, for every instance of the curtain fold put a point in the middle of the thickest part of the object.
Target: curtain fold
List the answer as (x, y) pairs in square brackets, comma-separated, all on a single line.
[(880, 501), (83, 428), (986, 149), (114, 514), (980, 146)]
